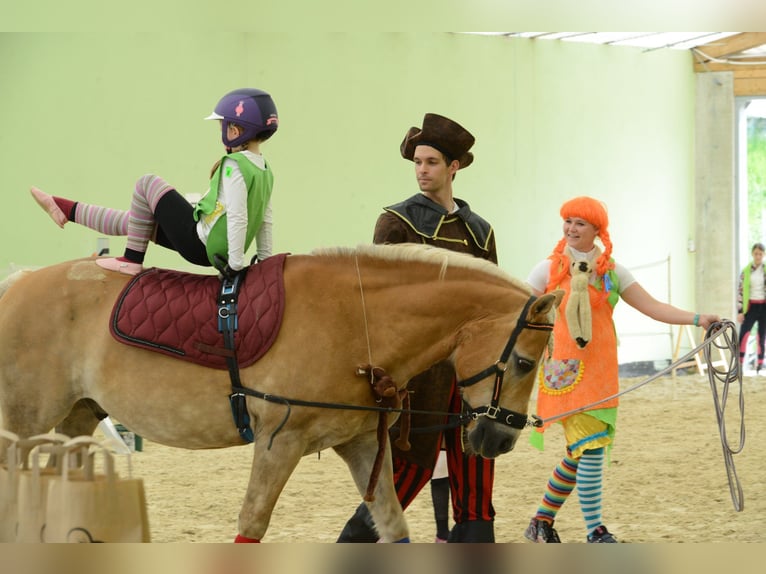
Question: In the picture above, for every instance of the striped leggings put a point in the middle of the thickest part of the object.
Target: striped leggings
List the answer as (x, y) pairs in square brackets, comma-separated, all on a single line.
[(585, 474), (157, 213)]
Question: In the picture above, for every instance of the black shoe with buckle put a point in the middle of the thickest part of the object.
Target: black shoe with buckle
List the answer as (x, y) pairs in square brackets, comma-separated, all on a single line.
[(601, 534), (540, 531)]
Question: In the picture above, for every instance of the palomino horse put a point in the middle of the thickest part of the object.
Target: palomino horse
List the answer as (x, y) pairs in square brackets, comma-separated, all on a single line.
[(400, 308)]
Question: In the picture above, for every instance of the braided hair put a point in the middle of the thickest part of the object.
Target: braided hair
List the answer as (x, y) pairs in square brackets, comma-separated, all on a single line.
[(594, 212)]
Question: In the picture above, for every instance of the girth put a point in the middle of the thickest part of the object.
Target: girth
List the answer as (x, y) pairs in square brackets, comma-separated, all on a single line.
[(228, 325)]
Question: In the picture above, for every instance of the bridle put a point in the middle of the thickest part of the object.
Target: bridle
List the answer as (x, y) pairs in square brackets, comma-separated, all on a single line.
[(494, 411)]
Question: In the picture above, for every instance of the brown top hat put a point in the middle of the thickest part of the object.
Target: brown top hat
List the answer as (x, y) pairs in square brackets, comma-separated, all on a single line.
[(449, 137)]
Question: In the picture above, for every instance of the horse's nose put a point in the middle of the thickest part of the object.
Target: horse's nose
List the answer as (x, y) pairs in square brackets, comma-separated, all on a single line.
[(491, 439), (507, 444)]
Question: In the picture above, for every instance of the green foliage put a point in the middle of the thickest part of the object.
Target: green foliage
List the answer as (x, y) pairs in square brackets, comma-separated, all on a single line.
[(756, 177)]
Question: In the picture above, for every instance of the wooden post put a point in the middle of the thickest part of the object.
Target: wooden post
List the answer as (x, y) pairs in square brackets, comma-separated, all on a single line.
[(698, 357)]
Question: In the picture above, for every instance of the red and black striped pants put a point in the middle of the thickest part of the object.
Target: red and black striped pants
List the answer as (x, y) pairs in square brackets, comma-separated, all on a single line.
[(470, 477)]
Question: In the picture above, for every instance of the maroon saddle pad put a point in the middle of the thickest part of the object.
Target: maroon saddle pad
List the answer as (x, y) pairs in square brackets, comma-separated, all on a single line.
[(176, 313)]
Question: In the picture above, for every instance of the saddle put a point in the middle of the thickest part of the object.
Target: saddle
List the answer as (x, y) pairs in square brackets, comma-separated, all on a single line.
[(176, 314)]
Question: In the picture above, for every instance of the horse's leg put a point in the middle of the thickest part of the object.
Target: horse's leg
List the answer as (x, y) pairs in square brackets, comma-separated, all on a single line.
[(270, 471), (359, 454), (25, 412), (82, 419)]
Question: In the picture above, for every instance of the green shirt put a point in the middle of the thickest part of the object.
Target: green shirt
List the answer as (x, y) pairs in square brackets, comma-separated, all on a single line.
[(259, 183)]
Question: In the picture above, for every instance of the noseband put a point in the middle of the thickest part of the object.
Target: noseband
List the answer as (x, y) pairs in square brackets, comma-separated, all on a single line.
[(493, 410)]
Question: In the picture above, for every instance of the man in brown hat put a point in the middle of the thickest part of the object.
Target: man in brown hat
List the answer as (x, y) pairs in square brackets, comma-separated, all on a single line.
[(435, 217)]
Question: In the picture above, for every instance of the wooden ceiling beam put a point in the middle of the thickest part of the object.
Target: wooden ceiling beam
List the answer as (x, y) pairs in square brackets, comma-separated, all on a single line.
[(731, 45), (750, 86), (749, 73), (747, 80), (720, 67)]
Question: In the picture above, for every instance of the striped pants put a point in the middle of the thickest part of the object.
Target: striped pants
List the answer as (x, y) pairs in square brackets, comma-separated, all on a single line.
[(470, 477)]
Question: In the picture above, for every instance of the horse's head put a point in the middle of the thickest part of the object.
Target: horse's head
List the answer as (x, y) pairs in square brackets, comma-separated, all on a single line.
[(497, 390)]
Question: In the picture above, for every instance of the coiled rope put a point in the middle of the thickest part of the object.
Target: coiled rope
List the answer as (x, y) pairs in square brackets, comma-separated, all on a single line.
[(723, 336)]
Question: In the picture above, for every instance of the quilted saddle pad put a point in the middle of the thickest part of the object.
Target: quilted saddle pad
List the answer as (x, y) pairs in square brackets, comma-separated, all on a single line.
[(176, 313)]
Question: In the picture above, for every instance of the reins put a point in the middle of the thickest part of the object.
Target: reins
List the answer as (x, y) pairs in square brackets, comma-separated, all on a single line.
[(498, 369), (726, 330), (289, 402)]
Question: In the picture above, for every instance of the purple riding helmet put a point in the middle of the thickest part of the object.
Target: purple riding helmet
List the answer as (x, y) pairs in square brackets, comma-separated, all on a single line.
[(251, 109)]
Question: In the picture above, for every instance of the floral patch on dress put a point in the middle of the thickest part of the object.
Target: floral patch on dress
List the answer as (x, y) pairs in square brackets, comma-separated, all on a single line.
[(560, 376)]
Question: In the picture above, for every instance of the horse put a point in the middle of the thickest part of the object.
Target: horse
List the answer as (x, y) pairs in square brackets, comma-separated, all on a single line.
[(399, 308)]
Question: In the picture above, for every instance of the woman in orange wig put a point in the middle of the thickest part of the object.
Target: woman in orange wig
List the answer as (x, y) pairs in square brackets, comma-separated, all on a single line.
[(580, 374)]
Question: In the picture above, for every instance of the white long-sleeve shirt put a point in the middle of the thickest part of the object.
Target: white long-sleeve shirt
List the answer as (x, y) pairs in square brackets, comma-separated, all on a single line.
[(232, 200)]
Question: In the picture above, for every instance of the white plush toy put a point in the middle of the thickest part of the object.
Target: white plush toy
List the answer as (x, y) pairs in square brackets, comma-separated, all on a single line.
[(578, 307)]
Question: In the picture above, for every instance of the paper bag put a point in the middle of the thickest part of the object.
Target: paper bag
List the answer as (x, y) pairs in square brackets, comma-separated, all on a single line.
[(33, 480), (9, 489), (95, 506)]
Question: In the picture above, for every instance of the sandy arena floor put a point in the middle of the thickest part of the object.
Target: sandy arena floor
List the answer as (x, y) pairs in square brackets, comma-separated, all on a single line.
[(667, 481)]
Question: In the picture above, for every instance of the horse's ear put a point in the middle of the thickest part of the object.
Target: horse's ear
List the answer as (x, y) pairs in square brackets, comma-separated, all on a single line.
[(558, 294), (545, 303)]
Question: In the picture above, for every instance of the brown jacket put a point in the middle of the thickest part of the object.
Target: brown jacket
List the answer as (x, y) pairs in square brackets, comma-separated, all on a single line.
[(420, 220)]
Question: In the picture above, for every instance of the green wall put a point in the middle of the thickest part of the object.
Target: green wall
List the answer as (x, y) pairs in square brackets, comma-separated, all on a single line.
[(83, 116)]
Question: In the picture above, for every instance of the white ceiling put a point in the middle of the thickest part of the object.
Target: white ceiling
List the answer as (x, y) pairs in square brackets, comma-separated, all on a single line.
[(647, 40)]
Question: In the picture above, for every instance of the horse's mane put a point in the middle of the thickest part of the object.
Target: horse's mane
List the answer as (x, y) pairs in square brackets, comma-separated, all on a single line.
[(426, 254), (11, 279)]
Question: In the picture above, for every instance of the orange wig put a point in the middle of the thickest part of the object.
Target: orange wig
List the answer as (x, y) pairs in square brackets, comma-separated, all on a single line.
[(594, 212)]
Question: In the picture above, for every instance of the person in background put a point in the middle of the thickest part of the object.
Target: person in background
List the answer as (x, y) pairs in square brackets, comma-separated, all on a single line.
[(435, 217), (221, 227), (579, 382), (440, 497), (751, 305)]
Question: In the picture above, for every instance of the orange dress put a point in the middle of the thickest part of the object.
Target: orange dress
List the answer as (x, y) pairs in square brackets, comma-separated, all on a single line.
[(573, 378)]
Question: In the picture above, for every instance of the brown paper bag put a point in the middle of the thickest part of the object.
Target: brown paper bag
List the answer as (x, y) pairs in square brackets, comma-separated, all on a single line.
[(33, 480), (95, 506), (9, 474)]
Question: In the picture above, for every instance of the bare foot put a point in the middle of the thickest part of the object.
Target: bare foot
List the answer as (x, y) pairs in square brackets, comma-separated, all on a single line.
[(49, 205)]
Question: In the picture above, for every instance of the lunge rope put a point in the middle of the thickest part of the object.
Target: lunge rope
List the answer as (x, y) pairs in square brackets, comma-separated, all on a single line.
[(719, 384)]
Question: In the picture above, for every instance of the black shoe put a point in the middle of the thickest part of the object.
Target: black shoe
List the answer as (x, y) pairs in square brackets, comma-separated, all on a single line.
[(360, 527), (473, 531), (601, 534), (541, 531)]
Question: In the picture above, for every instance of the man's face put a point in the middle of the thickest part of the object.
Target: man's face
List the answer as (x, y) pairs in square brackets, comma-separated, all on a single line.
[(431, 168)]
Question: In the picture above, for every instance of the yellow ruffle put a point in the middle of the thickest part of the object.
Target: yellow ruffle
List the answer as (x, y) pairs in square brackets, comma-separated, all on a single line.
[(584, 432)]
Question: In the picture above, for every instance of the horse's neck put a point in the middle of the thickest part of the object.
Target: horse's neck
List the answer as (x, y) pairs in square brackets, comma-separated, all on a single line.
[(419, 324)]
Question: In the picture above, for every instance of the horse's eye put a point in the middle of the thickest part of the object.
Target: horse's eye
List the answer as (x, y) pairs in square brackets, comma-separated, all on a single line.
[(525, 365)]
